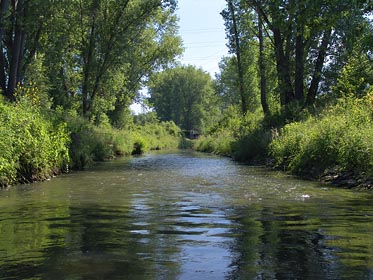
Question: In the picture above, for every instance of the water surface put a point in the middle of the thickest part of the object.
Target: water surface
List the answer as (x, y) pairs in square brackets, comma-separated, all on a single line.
[(184, 215)]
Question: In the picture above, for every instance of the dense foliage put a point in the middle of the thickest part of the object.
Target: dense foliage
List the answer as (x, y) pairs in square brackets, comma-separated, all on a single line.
[(36, 144), (310, 64), (70, 70), (33, 146), (90, 55), (339, 140), (242, 137), (96, 143), (184, 95), (296, 88), (305, 43)]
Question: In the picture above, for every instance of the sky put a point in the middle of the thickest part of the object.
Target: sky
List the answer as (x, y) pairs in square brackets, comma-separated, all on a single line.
[(202, 32)]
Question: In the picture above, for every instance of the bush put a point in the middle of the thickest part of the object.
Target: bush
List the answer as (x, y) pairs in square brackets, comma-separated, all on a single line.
[(221, 145), (253, 145), (90, 143), (242, 137), (155, 135), (339, 138), (32, 146)]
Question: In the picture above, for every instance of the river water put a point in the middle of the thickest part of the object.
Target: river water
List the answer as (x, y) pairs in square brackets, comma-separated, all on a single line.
[(184, 215)]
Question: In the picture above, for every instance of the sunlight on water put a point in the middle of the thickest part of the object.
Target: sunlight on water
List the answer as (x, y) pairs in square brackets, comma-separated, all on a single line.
[(184, 215)]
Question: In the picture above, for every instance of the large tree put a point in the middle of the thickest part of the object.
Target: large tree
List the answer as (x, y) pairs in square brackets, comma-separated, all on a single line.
[(93, 54), (22, 24), (305, 34), (184, 95), (311, 41), (120, 40), (239, 25)]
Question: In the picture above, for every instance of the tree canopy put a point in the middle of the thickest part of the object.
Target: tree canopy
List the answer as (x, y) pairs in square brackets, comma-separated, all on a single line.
[(308, 42), (92, 55), (185, 95)]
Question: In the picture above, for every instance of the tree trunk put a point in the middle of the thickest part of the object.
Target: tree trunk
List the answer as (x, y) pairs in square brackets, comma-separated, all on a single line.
[(312, 91), (16, 51), (239, 62), (20, 59), (262, 70), (86, 105), (283, 71), (31, 54), (3, 9), (299, 66)]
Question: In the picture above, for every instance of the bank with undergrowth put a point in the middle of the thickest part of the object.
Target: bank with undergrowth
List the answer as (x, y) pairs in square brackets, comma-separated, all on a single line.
[(36, 144), (333, 145)]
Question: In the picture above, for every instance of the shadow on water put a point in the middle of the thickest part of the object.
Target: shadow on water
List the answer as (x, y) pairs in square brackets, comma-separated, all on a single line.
[(184, 215)]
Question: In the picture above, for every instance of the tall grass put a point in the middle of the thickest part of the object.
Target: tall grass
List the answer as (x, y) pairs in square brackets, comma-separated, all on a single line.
[(337, 139), (90, 143), (340, 138), (155, 136)]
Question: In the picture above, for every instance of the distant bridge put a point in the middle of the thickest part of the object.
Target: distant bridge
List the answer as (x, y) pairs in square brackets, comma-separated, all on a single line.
[(191, 134)]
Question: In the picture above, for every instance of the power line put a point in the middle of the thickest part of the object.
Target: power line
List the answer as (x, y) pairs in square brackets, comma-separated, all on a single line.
[(197, 31), (203, 42), (202, 58), (203, 47)]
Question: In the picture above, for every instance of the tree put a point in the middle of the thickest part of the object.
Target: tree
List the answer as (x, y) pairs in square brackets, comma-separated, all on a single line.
[(114, 47), (184, 95), (304, 35), (155, 49), (109, 29), (227, 82), (235, 47), (22, 24), (242, 44), (262, 67)]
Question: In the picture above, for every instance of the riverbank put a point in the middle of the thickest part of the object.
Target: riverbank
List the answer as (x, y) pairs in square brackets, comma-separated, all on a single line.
[(34, 146), (334, 145), (37, 143)]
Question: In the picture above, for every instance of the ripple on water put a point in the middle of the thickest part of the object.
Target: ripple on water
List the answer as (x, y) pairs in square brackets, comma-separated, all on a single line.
[(184, 216)]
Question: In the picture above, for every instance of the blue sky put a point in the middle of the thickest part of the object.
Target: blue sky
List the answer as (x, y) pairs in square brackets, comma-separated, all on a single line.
[(202, 32)]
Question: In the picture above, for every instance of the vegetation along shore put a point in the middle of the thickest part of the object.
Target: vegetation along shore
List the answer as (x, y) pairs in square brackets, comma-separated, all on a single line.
[(295, 90)]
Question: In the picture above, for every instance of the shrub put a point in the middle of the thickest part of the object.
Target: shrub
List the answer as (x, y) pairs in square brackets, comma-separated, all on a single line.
[(339, 138), (32, 146), (254, 145), (242, 137), (151, 134), (90, 143)]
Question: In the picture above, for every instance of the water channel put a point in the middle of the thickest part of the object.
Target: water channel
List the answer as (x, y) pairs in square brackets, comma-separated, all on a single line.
[(184, 215)]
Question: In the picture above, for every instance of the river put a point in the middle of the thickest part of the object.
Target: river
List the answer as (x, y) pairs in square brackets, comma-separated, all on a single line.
[(184, 215)]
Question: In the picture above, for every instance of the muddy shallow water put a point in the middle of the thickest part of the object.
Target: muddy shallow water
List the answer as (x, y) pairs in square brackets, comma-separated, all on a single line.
[(184, 215)]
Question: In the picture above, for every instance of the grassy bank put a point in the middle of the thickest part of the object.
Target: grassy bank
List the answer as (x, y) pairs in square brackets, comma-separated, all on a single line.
[(90, 143), (37, 143), (334, 144), (244, 138)]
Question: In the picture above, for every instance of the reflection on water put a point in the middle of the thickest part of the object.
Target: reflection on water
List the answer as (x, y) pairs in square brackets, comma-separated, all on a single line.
[(184, 215)]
